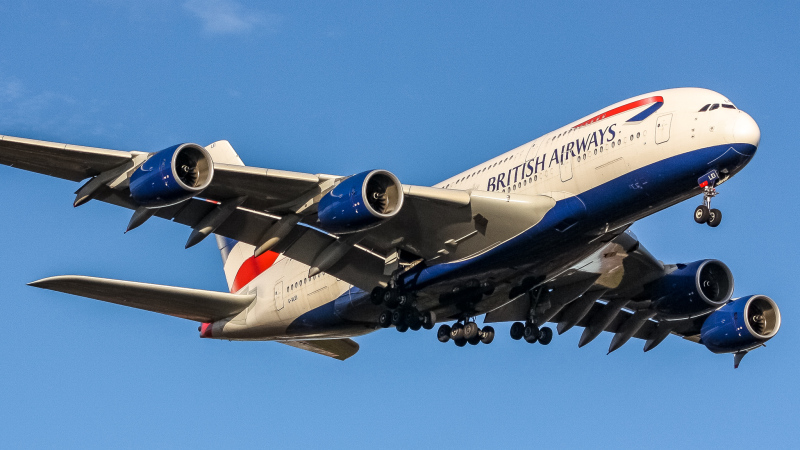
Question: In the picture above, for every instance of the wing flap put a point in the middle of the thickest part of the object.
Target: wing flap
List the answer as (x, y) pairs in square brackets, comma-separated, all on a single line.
[(192, 304), (340, 349)]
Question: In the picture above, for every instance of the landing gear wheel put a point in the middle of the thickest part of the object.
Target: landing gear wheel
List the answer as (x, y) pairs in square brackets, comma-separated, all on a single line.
[(406, 301), (444, 333), (487, 335), (531, 334), (460, 342), (715, 217), (376, 297), (397, 317), (545, 335), (402, 328), (470, 330), (389, 298), (475, 340), (457, 332), (385, 319), (413, 319), (517, 330), (701, 214), (427, 321)]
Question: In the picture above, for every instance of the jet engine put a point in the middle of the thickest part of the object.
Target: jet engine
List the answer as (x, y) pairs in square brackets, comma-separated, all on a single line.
[(691, 290), (360, 202), (172, 175), (741, 325)]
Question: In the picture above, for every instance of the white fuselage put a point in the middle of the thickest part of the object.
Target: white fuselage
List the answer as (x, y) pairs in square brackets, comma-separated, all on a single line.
[(566, 162)]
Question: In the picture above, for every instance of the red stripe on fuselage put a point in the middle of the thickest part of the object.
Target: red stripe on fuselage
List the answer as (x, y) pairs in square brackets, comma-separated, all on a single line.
[(251, 268), (622, 109)]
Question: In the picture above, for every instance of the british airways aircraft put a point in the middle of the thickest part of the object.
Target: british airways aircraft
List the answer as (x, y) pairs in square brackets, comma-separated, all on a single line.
[(536, 235)]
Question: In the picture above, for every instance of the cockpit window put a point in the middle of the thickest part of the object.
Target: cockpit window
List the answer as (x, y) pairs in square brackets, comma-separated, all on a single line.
[(728, 106), (714, 106), (704, 108)]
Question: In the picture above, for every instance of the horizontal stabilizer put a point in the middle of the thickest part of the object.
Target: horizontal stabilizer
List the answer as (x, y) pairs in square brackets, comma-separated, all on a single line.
[(340, 349), (192, 304)]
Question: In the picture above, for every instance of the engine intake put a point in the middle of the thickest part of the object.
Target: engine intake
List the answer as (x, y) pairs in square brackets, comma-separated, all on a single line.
[(691, 290), (741, 325), (360, 202), (172, 175)]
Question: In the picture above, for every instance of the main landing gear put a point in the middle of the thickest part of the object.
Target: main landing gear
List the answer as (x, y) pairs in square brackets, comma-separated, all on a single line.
[(704, 213), (465, 333), (531, 333), (402, 311)]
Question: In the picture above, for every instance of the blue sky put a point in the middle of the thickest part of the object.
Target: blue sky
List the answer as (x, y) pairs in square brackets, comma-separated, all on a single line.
[(424, 89)]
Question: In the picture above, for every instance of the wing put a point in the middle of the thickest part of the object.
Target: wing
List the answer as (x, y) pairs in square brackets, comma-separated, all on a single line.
[(248, 204), (192, 304), (340, 349), (598, 294)]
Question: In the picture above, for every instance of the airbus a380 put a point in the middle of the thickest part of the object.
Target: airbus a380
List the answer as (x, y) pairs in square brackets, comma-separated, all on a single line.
[(534, 236)]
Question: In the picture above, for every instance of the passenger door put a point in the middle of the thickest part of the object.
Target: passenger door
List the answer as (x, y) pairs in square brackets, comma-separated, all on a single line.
[(662, 128)]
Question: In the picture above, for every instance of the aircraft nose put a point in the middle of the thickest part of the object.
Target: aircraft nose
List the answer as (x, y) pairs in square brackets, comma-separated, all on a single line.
[(745, 130)]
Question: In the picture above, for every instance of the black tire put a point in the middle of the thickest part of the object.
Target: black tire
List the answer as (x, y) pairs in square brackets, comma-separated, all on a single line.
[(460, 342), (474, 341), (402, 328), (487, 335), (444, 333), (427, 321), (406, 300), (701, 214), (517, 330), (531, 334), (470, 330), (545, 335), (488, 288), (413, 320), (715, 217), (385, 319), (457, 332), (389, 298), (376, 297), (397, 317)]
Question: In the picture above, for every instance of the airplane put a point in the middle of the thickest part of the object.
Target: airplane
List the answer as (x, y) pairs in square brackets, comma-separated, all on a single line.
[(537, 235)]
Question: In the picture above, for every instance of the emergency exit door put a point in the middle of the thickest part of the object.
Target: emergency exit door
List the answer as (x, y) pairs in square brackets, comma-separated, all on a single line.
[(279, 295), (662, 128)]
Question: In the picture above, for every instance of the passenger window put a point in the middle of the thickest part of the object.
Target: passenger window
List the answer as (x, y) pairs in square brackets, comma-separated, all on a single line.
[(714, 106), (704, 108)]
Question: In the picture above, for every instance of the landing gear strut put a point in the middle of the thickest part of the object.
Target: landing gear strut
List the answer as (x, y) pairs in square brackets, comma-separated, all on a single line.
[(704, 213)]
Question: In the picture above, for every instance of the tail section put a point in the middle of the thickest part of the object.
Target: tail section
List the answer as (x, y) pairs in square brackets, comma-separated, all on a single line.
[(240, 266)]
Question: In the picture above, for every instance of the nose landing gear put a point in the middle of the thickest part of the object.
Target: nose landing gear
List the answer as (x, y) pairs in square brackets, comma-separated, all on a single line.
[(704, 213)]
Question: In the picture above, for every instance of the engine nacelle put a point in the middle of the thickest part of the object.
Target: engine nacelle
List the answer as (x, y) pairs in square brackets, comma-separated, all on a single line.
[(741, 325), (691, 290), (172, 175), (360, 202)]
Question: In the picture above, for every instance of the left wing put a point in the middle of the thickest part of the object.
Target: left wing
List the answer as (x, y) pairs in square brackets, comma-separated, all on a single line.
[(192, 304), (254, 205)]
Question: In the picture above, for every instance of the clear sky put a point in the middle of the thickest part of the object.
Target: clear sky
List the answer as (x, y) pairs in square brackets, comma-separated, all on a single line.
[(422, 89)]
